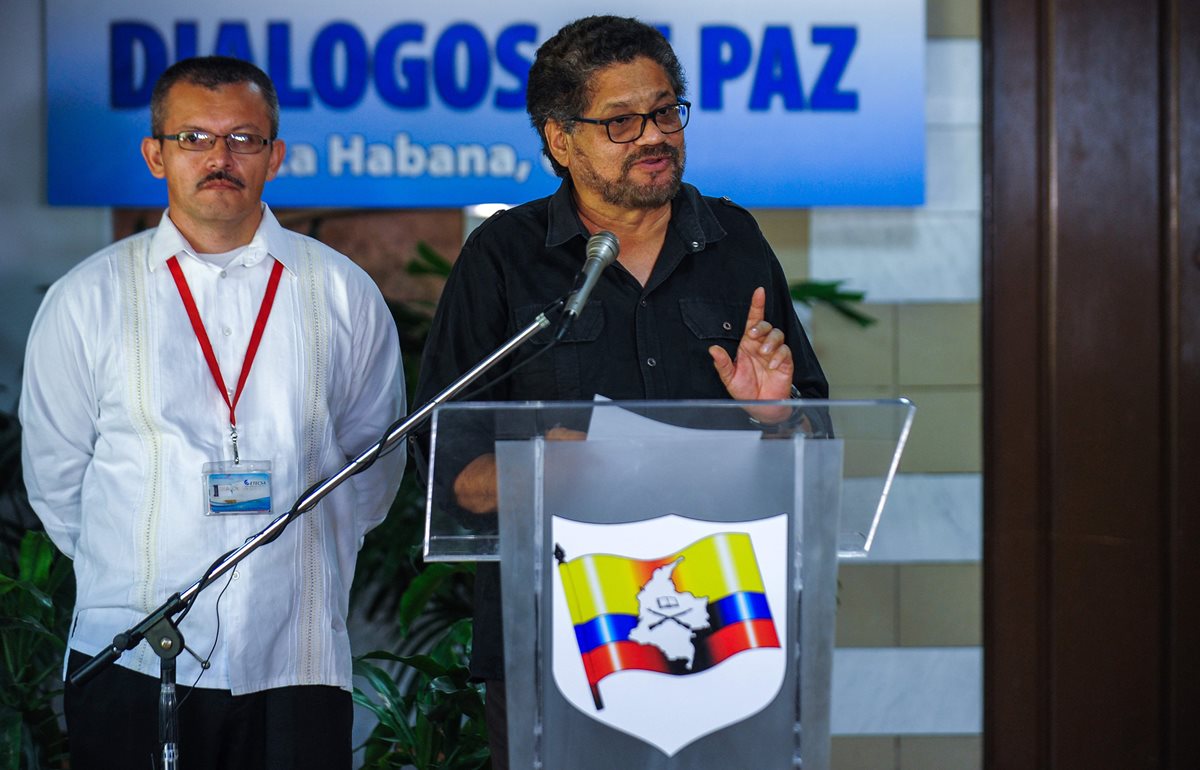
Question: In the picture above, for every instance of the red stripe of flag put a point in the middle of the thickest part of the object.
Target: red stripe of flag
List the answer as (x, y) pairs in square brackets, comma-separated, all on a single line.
[(620, 656), (744, 635)]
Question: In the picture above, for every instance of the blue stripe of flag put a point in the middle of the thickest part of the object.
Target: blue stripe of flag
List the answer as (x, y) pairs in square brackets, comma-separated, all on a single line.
[(735, 608), (603, 630)]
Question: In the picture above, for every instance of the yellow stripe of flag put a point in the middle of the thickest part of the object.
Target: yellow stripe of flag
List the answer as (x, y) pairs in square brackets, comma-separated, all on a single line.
[(603, 584), (715, 567)]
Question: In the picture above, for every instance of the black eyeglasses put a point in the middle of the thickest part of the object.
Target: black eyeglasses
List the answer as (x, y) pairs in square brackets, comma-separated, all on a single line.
[(237, 142), (623, 129)]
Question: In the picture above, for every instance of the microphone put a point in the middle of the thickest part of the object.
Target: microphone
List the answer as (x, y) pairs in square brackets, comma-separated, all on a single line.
[(602, 250)]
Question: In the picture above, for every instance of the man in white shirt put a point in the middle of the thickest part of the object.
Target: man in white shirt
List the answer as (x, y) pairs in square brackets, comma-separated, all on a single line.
[(182, 388)]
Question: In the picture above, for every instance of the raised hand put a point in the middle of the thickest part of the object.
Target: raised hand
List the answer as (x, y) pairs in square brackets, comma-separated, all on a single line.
[(763, 368)]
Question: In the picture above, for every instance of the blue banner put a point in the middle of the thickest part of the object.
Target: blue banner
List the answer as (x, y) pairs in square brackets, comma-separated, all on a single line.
[(394, 105)]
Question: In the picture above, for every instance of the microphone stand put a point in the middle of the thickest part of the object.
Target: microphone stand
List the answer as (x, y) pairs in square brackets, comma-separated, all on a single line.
[(159, 629)]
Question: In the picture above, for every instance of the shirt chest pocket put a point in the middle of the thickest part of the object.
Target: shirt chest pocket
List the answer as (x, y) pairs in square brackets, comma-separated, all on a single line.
[(713, 321), (561, 368)]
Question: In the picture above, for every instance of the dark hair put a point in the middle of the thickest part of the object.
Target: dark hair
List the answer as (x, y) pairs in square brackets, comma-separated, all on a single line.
[(212, 72), (560, 80)]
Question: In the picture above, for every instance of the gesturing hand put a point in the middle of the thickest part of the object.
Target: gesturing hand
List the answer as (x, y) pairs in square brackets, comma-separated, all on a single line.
[(763, 368)]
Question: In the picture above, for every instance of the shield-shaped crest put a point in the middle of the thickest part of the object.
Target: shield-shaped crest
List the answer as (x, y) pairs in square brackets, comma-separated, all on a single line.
[(672, 628)]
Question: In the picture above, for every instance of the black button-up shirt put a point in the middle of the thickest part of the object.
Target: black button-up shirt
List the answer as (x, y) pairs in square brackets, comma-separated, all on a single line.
[(630, 343)]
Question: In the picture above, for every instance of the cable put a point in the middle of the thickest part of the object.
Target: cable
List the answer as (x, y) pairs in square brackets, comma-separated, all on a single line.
[(206, 663)]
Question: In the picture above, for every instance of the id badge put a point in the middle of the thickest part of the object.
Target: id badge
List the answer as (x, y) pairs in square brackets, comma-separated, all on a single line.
[(237, 488)]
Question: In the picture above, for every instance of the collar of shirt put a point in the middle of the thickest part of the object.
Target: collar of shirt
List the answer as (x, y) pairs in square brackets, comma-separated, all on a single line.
[(270, 240), (690, 216)]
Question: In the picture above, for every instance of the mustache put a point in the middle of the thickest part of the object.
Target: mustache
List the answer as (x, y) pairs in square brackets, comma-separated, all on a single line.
[(654, 153), (221, 176)]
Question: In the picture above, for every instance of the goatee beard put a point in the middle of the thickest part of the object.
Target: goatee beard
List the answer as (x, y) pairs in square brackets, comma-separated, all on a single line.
[(622, 192)]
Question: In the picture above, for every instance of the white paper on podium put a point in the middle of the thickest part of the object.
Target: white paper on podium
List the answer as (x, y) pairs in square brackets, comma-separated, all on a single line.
[(611, 422)]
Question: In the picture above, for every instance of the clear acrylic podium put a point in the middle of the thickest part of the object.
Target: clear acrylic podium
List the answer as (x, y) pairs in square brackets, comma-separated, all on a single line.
[(669, 572)]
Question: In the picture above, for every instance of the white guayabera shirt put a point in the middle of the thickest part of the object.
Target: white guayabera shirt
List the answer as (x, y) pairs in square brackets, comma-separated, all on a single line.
[(120, 413)]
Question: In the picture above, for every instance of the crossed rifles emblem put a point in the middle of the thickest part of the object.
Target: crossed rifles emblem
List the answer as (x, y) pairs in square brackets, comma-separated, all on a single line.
[(667, 602)]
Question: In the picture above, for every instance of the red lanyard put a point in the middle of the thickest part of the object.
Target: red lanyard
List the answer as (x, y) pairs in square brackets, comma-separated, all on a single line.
[(260, 324)]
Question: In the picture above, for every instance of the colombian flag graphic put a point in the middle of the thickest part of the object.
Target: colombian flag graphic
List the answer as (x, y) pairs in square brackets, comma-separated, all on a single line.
[(680, 614)]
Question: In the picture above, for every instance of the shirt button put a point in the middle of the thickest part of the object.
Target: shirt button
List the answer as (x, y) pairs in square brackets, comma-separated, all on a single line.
[(227, 331), (695, 245), (651, 362), (643, 303), (237, 575), (224, 274), (726, 326)]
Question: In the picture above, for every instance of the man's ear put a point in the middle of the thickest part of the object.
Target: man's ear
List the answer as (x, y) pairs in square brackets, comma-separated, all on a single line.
[(278, 151), (152, 153), (559, 142)]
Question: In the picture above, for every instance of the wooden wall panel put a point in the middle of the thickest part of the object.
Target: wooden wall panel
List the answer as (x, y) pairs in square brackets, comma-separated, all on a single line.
[(1015, 221), (1105, 426), (1182, 455), (1092, 383)]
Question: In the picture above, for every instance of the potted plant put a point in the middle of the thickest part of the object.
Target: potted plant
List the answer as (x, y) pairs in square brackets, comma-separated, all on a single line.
[(37, 590)]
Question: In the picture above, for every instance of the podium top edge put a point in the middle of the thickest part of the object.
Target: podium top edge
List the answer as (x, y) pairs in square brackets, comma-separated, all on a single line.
[(900, 402)]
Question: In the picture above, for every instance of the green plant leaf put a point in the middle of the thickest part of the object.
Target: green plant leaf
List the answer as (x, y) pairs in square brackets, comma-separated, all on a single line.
[(832, 294), (429, 262), (381, 682), (381, 655), (37, 556), (421, 590), (426, 664), (36, 594), (392, 710)]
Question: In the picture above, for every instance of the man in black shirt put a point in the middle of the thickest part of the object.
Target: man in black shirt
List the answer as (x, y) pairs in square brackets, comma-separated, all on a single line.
[(696, 307)]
